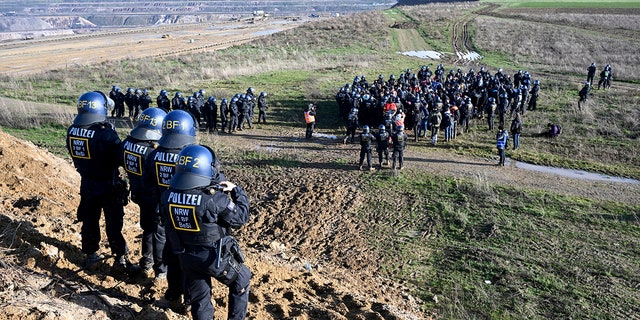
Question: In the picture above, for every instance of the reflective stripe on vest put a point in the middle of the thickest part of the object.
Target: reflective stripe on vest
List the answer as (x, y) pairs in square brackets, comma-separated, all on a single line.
[(309, 118)]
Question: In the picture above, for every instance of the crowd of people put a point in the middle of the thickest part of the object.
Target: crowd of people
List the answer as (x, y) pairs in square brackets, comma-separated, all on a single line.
[(430, 101), (187, 205), (606, 76), (231, 115)]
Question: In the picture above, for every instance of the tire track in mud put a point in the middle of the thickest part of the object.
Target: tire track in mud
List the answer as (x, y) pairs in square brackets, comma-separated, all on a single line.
[(461, 39)]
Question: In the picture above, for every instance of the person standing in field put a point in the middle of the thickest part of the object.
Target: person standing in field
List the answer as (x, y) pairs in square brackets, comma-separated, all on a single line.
[(516, 130), (310, 119), (163, 101), (399, 142), (502, 138), (591, 72), (262, 107)]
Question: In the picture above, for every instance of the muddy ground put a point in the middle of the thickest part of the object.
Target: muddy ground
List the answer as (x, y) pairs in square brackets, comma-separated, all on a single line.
[(302, 243)]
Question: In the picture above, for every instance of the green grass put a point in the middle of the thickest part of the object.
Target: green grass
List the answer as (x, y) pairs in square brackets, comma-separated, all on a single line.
[(49, 137), (568, 4), (490, 251)]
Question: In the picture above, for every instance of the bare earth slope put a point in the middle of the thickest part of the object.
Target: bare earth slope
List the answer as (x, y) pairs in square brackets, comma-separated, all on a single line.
[(39, 257)]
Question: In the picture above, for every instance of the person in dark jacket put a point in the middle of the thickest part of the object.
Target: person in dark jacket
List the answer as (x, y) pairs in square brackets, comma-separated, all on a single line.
[(310, 119), (200, 211), (366, 138), (591, 72), (94, 147), (399, 143), (210, 111), (516, 130), (224, 113), (502, 137), (135, 150), (179, 129), (163, 101), (262, 107), (145, 100), (382, 145)]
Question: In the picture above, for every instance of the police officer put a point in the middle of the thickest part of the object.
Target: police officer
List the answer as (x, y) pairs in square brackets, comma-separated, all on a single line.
[(94, 147), (163, 101), (178, 102), (352, 125), (200, 212), (210, 111), (224, 112), (178, 131), (399, 142), (112, 96), (118, 100), (131, 100), (382, 142), (366, 138), (262, 107), (145, 100), (591, 72), (234, 113), (136, 148)]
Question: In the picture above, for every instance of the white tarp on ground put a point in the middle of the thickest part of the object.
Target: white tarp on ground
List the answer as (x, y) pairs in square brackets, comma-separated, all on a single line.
[(423, 54), (469, 55), (435, 55)]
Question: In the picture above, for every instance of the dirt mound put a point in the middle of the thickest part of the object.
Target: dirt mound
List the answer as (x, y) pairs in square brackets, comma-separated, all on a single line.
[(404, 25), (315, 269)]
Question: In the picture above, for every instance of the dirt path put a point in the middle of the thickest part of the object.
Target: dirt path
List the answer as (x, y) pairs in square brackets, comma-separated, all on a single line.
[(443, 162), (31, 56)]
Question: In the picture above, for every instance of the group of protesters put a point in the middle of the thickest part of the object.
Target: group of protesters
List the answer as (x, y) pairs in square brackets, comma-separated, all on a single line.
[(438, 100)]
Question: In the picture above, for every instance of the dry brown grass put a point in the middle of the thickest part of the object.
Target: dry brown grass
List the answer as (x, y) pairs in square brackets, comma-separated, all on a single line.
[(556, 48), (602, 21), (21, 114)]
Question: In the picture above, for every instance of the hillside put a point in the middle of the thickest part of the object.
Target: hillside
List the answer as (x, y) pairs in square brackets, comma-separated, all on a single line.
[(40, 257), (449, 236)]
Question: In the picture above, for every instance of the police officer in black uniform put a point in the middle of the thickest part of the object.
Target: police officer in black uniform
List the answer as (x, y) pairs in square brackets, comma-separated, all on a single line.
[(234, 113), (145, 100), (94, 147), (178, 131), (163, 101), (142, 140), (262, 107), (366, 138), (382, 142), (224, 113), (199, 211), (210, 111), (399, 139)]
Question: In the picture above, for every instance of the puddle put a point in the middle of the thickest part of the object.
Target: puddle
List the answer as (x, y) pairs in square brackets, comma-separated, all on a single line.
[(267, 148), (423, 54), (265, 32), (575, 174)]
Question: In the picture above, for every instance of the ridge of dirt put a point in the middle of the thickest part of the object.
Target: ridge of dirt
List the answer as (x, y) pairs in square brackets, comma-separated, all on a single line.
[(294, 276)]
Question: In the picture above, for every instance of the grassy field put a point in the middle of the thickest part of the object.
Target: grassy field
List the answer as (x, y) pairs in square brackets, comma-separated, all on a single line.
[(567, 4), (469, 249)]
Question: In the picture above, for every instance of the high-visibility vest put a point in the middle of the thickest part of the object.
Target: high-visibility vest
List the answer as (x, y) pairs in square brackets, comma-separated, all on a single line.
[(309, 118)]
